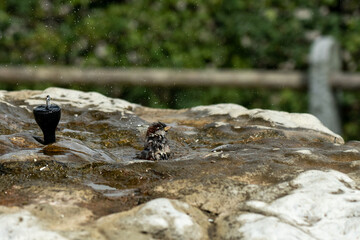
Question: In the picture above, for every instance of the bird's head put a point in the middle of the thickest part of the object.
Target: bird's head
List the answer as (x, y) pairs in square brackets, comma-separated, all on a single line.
[(157, 129)]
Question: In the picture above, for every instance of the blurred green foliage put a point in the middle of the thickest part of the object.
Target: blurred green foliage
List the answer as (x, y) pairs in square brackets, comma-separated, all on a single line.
[(175, 33), (266, 34)]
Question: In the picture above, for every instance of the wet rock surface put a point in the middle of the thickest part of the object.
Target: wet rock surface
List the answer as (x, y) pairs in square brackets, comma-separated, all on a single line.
[(234, 174)]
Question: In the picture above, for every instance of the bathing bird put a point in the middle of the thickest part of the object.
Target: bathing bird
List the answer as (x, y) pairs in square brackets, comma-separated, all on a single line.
[(156, 144)]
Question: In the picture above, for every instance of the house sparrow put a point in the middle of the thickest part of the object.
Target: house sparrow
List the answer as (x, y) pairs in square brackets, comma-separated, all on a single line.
[(156, 145)]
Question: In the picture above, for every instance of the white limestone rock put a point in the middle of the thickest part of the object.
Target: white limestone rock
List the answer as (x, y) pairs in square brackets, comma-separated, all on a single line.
[(79, 99), (324, 205), (2, 94), (22, 225), (233, 110), (304, 151), (274, 118), (160, 219)]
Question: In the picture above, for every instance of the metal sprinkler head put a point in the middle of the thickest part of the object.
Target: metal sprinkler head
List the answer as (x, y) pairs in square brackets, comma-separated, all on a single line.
[(47, 101)]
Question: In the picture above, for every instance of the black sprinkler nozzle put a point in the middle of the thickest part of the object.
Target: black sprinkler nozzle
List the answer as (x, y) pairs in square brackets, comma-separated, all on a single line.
[(47, 117)]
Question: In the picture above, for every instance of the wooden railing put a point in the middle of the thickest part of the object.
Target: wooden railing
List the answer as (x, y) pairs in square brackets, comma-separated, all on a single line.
[(170, 77)]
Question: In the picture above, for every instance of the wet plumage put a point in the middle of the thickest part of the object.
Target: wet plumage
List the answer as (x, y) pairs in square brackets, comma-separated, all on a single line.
[(156, 144)]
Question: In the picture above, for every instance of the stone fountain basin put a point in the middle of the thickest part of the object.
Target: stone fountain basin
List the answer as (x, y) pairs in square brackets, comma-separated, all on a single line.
[(235, 173)]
